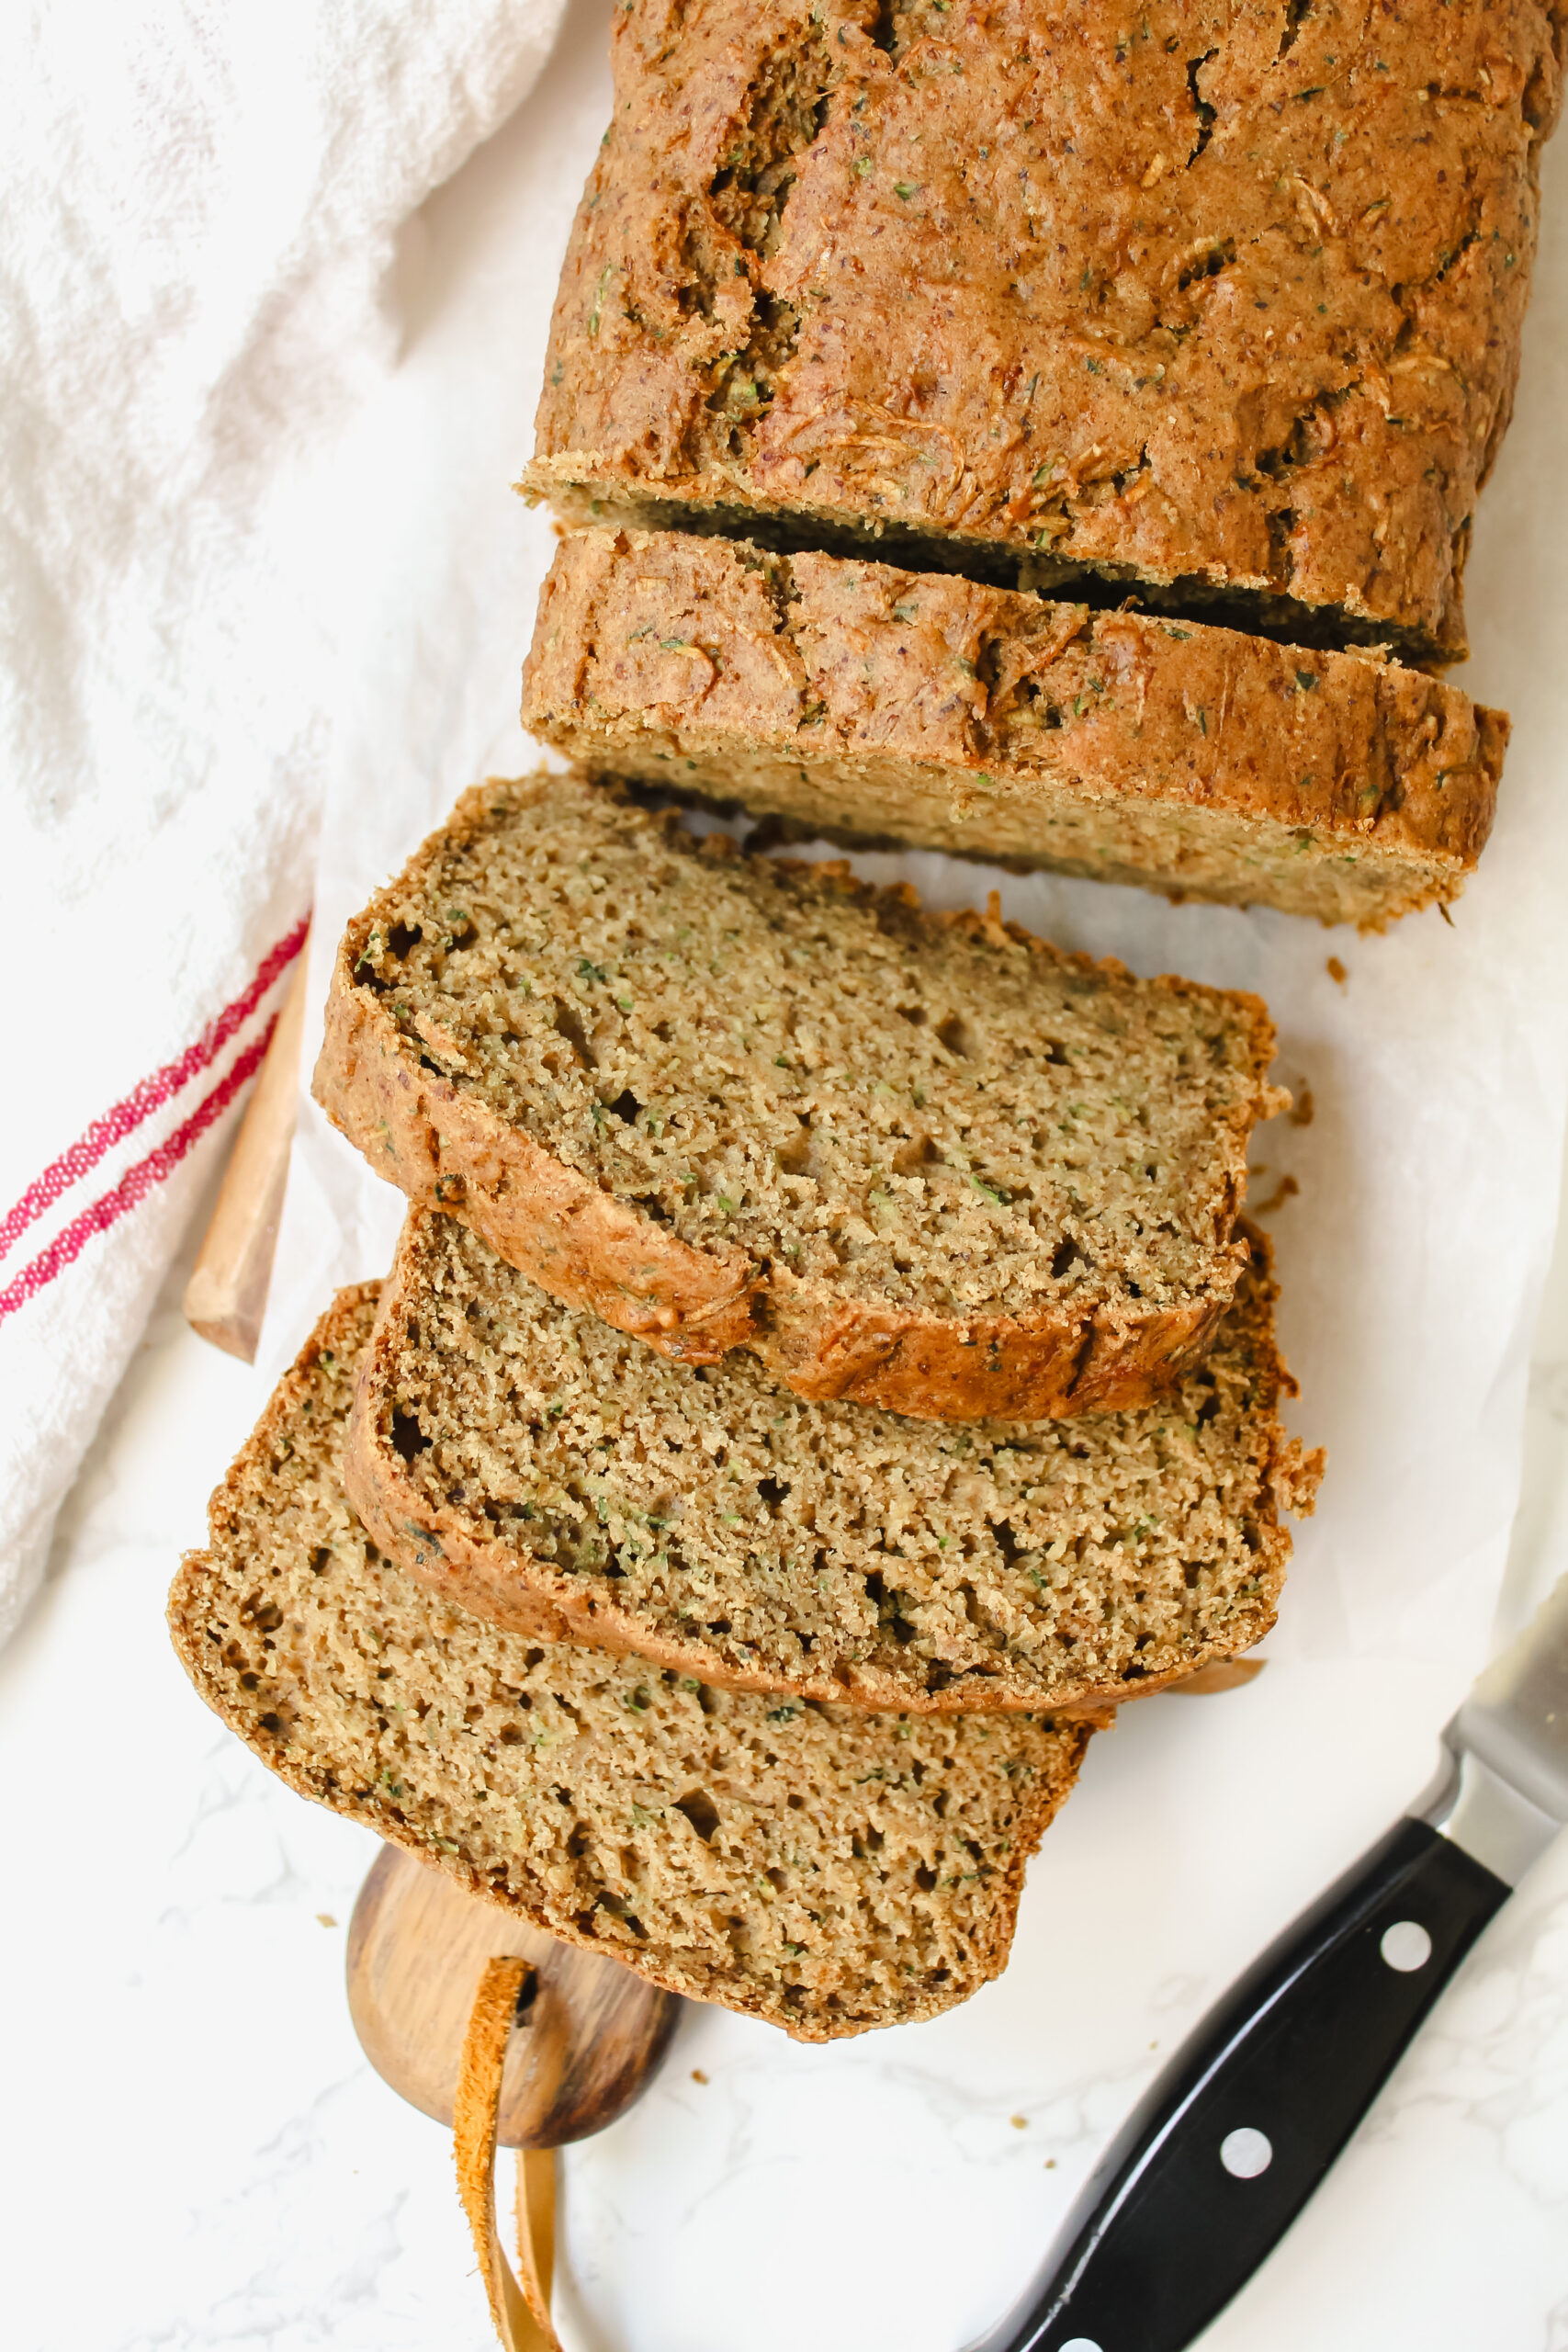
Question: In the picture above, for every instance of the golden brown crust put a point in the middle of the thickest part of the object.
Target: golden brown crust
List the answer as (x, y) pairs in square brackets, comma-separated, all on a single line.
[(889, 702), (995, 1367), (446, 1149), (454, 1550), (1218, 298)]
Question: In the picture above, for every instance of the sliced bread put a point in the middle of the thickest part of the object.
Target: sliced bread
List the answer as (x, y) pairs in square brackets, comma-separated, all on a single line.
[(534, 1465), (1217, 298), (867, 704), (924, 1161), (821, 1868)]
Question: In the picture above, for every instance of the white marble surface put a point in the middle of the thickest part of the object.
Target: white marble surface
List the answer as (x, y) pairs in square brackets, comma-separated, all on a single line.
[(196, 2155)]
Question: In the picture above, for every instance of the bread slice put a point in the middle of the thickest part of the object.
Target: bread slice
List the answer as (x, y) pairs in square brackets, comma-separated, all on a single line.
[(1221, 300), (823, 1869), (519, 1456), (923, 1161), (869, 704)]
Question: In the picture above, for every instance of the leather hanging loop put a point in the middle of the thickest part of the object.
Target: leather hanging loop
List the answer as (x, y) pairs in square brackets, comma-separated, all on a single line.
[(507, 1993)]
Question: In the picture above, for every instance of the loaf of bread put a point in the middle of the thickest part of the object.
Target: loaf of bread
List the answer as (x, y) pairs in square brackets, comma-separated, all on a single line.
[(869, 704), (923, 1161), (822, 1868), (547, 1472), (1222, 300)]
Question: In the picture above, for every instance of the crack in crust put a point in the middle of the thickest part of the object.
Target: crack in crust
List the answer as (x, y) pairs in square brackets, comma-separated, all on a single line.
[(1228, 302)]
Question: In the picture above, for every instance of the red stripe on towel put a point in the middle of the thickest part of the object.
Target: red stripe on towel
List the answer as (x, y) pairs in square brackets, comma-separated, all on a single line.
[(150, 1095), (137, 1182)]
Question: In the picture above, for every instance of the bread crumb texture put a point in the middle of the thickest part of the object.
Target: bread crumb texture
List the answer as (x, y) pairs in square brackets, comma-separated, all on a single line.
[(858, 1108), (1218, 298), (821, 1868), (509, 1451), (868, 703)]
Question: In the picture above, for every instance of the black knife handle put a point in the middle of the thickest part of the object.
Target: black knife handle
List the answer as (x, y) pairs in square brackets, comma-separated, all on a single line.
[(1179, 2213)]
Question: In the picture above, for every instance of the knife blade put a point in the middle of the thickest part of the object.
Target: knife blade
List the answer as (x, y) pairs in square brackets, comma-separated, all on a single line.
[(1239, 2129)]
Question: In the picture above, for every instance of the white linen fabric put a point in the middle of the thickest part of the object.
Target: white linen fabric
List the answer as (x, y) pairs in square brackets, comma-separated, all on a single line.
[(200, 208)]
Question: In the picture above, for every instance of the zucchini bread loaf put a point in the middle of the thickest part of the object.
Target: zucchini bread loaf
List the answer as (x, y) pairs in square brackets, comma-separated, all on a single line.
[(543, 1469), (867, 703), (824, 1869), (923, 1161), (1220, 298)]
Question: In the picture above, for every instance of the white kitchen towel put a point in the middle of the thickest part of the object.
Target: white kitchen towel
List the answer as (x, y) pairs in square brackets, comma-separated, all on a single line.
[(200, 203)]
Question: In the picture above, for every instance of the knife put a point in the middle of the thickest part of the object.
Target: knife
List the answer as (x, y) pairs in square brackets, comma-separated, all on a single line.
[(1220, 2156)]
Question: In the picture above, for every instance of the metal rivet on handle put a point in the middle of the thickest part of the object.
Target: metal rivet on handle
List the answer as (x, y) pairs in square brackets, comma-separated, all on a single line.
[(1245, 2153), (1406, 1946)]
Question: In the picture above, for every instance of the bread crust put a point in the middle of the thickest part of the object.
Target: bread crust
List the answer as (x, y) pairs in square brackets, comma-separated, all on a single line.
[(716, 667), (445, 1149), (454, 1552), (1221, 300)]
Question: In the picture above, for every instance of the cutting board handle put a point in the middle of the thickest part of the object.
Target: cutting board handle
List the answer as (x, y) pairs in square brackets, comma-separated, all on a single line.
[(226, 1297)]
